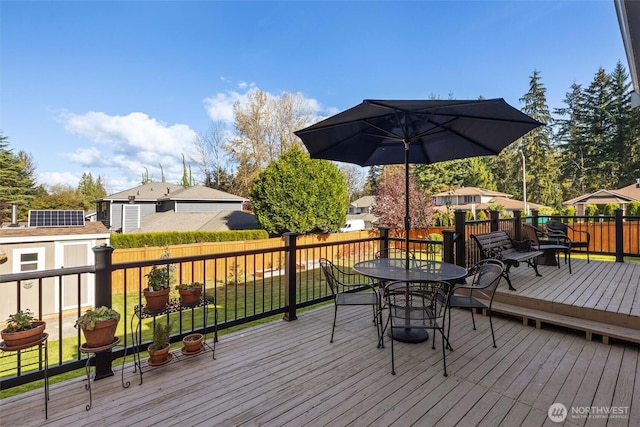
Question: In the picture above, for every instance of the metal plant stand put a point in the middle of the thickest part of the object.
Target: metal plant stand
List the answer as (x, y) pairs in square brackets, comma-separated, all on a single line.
[(174, 306), (95, 350), (22, 351)]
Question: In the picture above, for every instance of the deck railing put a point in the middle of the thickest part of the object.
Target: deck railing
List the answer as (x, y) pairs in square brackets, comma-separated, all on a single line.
[(244, 292)]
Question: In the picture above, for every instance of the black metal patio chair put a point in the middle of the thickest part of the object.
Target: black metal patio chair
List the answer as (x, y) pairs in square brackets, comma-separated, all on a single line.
[(542, 242), (579, 239), (417, 306), (478, 294), (345, 293)]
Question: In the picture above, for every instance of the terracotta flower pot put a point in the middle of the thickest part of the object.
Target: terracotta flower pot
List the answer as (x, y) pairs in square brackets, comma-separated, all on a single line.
[(159, 357), (102, 334), (24, 338), (192, 343), (190, 296), (157, 300)]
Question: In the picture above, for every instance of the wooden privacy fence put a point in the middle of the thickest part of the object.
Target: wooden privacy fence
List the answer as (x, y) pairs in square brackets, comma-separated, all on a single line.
[(232, 266)]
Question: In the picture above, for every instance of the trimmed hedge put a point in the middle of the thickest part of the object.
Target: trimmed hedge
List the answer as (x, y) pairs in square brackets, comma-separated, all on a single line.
[(168, 238)]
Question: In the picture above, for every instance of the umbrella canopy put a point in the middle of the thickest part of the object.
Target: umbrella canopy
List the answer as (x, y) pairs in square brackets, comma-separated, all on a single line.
[(378, 132)]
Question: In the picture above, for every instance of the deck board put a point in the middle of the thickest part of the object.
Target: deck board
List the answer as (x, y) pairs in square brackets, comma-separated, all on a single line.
[(288, 374)]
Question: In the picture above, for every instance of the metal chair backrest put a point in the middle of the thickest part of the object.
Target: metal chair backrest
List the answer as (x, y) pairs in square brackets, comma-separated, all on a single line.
[(416, 303), (557, 226), (328, 269), (531, 233), (486, 276)]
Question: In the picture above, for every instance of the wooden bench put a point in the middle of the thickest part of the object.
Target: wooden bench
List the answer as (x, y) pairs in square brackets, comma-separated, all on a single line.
[(498, 245)]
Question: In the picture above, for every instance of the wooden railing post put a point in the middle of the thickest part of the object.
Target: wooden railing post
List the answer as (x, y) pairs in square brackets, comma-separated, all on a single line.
[(103, 292), (619, 236), (290, 276)]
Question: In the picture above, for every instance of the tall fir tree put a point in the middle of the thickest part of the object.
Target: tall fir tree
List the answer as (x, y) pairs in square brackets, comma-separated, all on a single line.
[(571, 132), (541, 159), (601, 162), (17, 183)]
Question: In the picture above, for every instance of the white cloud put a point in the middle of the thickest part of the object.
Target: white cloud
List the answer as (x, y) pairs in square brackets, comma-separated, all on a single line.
[(219, 107), (132, 145), (49, 179), (121, 148), (136, 131)]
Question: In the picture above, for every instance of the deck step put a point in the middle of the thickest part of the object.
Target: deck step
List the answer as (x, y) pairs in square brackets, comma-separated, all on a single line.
[(588, 326)]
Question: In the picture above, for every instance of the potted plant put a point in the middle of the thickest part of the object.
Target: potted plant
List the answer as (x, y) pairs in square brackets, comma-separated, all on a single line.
[(22, 330), (98, 326), (159, 279), (189, 293), (159, 348), (192, 343)]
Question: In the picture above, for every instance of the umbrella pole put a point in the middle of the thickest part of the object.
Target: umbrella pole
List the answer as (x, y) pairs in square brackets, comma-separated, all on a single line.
[(407, 217)]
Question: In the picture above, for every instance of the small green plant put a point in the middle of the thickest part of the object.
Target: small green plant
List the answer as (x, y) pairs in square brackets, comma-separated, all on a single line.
[(189, 286), (161, 334), (161, 276), (89, 319), (20, 321)]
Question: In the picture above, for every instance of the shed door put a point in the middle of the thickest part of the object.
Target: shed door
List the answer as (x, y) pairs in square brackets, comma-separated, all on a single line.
[(76, 288)]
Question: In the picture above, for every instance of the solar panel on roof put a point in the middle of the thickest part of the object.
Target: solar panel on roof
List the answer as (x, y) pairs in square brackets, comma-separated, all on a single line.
[(56, 218)]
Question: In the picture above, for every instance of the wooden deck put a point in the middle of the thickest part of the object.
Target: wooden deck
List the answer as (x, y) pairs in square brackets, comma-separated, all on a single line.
[(601, 298), (288, 374)]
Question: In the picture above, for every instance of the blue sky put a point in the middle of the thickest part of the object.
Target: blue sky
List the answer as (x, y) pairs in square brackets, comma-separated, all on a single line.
[(114, 87)]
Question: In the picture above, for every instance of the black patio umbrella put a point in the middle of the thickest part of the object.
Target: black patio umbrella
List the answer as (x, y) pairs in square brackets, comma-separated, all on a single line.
[(381, 132)]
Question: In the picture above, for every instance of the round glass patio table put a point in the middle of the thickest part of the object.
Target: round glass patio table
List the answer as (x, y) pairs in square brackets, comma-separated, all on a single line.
[(418, 271)]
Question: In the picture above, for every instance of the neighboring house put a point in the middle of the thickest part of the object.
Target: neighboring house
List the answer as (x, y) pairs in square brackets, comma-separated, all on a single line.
[(134, 210), (621, 197), (32, 248), (361, 209), (475, 199)]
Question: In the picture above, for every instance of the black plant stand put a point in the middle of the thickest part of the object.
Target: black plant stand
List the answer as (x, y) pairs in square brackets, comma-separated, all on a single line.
[(87, 366), (174, 306), (38, 346)]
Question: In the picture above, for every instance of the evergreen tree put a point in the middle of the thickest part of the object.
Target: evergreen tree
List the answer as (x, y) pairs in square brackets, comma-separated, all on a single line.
[(17, 184), (299, 194), (624, 142), (373, 177), (601, 162), (570, 136), (541, 160), (442, 176), (90, 190)]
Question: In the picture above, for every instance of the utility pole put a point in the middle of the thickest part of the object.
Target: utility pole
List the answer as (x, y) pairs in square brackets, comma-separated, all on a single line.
[(524, 184)]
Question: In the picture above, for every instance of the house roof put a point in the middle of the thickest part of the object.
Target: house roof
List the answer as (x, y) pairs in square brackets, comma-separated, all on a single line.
[(506, 202), (471, 191), (216, 221), (154, 191), (363, 202), (629, 19), (621, 195), (22, 231), (199, 192), (151, 191)]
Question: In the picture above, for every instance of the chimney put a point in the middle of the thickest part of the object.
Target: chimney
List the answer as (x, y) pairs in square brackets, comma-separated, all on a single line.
[(637, 182), (14, 215)]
